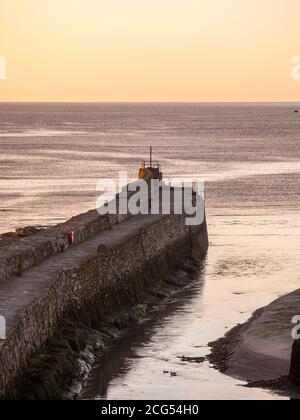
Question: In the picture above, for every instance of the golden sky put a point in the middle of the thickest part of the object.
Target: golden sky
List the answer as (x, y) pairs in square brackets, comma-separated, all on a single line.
[(149, 50)]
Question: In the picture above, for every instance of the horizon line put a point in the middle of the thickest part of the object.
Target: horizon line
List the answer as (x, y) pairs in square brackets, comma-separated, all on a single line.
[(149, 102)]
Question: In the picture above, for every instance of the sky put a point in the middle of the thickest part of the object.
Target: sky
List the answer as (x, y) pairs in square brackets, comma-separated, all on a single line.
[(149, 50)]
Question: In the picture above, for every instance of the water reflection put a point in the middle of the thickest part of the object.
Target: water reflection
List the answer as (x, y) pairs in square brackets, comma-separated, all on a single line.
[(123, 352), (250, 255)]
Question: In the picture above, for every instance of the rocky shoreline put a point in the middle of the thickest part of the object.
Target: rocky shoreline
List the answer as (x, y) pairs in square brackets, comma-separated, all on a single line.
[(262, 352)]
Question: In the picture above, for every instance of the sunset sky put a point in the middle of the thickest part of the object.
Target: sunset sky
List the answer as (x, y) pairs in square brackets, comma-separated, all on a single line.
[(149, 50)]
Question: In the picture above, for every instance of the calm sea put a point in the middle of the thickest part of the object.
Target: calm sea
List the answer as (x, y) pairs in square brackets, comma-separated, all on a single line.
[(51, 158)]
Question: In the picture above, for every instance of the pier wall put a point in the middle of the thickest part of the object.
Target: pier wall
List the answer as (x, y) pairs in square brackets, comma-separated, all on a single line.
[(97, 286)]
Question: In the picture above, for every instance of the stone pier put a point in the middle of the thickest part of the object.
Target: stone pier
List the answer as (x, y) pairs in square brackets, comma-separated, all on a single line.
[(44, 281)]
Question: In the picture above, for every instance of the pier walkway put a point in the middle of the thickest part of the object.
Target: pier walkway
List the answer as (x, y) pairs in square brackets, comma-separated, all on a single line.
[(19, 292)]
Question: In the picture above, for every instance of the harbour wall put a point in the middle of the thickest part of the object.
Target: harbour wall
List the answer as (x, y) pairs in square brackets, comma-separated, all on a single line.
[(18, 254), (124, 259)]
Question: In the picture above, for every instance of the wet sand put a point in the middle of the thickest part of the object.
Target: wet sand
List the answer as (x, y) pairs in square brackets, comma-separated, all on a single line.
[(259, 351)]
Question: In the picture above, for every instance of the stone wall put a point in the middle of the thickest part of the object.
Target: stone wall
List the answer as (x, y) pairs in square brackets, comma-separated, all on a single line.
[(97, 286), (21, 254)]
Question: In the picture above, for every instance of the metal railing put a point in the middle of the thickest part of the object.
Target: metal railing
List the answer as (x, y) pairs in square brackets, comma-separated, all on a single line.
[(151, 164)]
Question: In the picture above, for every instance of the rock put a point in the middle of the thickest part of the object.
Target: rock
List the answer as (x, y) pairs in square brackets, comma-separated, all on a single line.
[(102, 249), (192, 359), (75, 389), (87, 356), (84, 369), (27, 231)]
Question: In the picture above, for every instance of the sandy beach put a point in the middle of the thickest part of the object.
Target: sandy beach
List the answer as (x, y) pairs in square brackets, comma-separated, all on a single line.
[(259, 351)]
